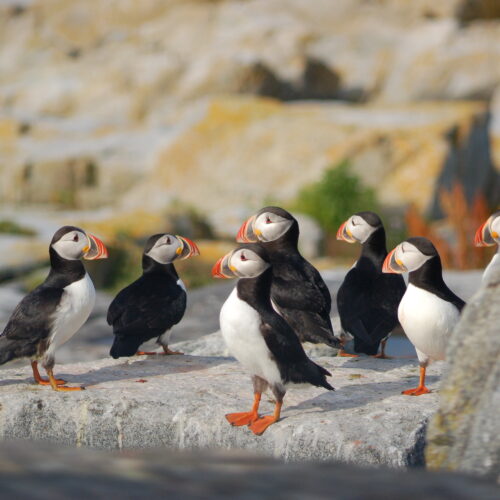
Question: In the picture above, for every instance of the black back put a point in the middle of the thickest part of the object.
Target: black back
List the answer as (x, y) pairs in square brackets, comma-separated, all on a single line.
[(368, 299), (287, 351), (430, 275), (298, 290), (147, 308)]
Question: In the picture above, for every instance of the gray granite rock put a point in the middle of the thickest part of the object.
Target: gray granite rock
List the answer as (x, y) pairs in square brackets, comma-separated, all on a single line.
[(42, 471), (180, 402), (465, 433)]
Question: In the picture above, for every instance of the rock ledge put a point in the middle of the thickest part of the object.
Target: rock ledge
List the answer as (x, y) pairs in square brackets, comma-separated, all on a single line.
[(180, 401)]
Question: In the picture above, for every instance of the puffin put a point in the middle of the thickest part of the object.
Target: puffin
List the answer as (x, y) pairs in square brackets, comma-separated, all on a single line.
[(54, 311), (298, 291), (368, 299), (259, 338), (487, 235), (150, 306), (429, 310)]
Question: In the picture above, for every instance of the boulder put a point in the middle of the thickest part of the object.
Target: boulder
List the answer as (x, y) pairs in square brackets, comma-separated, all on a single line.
[(464, 434), (52, 471), (405, 152), (180, 401)]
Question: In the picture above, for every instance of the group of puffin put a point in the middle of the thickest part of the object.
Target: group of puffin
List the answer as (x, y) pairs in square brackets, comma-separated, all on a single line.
[(279, 302)]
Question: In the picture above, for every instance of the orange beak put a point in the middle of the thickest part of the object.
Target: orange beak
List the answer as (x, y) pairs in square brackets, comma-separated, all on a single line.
[(343, 234), (246, 233), (96, 249), (483, 237), (393, 265), (187, 249), (222, 269)]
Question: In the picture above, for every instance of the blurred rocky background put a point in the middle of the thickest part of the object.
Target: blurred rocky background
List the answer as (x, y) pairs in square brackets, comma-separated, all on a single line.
[(135, 117)]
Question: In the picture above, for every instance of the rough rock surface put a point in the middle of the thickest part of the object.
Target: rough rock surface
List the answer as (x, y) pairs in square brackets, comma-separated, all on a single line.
[(43, 471), (465, 433), (180, 402)]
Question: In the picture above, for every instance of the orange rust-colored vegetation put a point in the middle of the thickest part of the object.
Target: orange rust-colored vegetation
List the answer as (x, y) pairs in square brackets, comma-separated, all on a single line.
[(463, 218)]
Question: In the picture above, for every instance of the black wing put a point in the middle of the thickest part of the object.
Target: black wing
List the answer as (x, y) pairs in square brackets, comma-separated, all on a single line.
[(304, 300), (293, 363), (30, 323), (368, 306)]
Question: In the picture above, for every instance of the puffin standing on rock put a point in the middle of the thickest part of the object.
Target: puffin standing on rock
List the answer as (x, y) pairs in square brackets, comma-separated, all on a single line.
[(429, 310), (153, 304), (298, 291), (487, 235), (54, 311), (368, 299), (259, 338)]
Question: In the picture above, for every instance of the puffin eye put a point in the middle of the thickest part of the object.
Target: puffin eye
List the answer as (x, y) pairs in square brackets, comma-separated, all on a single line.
[(168, 241), (243, 257), (75, 238), (268, 220)]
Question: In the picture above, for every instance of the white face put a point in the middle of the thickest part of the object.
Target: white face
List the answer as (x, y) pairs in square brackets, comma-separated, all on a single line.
[(247, 264), (269, 226), (359, 228), (72, 245), (495, 229), (166, 249), (410, 256)]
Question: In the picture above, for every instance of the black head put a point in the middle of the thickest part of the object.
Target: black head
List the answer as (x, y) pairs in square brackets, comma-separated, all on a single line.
[(410, 255), (246, 261), (73, 243), (164, 248), (273, 226), (359, 227)]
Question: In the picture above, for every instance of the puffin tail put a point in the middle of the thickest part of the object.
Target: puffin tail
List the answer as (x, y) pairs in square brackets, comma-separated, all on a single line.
[(124, 347), (7, 350)]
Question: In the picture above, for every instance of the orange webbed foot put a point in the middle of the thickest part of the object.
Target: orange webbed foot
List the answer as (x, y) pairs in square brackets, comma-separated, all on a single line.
[(145, 353), (382, 355), (418, 391), (344, 354), (45, 381), (64, 388), (169, 352), (243, 418), (259, 426)]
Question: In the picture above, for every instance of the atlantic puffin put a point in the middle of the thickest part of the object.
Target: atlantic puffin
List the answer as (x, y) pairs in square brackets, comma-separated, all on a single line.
[(150, 306), (368, 299), (258, 337), (55, 310), (429, 310), (298, 291), (487, 235)]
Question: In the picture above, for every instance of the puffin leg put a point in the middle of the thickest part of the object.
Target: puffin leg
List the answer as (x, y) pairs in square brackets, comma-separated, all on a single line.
[(146, 353), (56, 387), (421, 389), (259, 426), (168, 352), (382, 354), (344, 354), (246, 417), (43, 381)]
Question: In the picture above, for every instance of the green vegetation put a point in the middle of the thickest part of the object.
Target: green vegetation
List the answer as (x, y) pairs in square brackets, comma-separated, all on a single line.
[(10, 227), (335, 197)]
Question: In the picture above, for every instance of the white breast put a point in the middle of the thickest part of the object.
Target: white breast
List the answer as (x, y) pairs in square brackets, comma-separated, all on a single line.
[(75, 307), (495, 261), (428, 321), (240, 326)]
